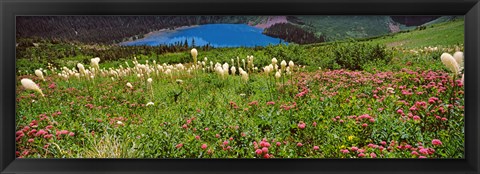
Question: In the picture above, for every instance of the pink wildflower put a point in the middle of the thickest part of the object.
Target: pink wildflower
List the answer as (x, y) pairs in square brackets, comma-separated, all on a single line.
[(258, 151), (423, 151), (415, 153), (354, 148), (301, 125), (204, 146), (436, 142), (361, 155), (416, 118), (265, 150)]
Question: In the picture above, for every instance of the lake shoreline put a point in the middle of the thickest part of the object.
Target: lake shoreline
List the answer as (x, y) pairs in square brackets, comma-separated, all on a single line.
[(208, 34), (159, 32), (166, 30)]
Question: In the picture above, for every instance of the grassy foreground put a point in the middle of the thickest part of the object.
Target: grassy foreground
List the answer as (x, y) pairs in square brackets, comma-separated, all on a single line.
[(410, 106)]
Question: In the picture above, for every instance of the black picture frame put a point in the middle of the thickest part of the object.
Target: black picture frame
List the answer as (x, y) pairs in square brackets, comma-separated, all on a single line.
[(11, 8)]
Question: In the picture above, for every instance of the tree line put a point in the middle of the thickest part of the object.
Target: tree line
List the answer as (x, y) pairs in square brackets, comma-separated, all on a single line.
[(108, 29), (293, 33)]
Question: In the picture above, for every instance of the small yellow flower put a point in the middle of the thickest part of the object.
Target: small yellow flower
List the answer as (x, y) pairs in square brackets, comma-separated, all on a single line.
[(351, 137)]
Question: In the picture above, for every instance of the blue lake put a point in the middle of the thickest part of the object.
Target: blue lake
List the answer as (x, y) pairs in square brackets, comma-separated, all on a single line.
[(217, 35)]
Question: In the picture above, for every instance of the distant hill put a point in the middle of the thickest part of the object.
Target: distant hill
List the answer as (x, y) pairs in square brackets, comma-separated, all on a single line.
[(413, 20)]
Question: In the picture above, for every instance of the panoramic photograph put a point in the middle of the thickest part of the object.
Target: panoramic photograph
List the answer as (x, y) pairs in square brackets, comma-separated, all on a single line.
[(240, 87)]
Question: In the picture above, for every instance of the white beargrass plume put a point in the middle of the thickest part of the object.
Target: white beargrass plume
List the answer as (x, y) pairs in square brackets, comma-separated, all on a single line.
[(149, 81), (288, 71), (81, 68), (243, 61), (169, 72), (291, 64), (218, 69), (194, 55), (30, 85), (129, 85), (233, 69), (278, 74), (150, 103), (94, 63), (39, 74), (225, 68), (250, 63), (459, 58), (238, 62), (283, 64), (179, 81), (268, 69), (244, 76), (221, 72), (450, 63), (274, 61), (199, 63)]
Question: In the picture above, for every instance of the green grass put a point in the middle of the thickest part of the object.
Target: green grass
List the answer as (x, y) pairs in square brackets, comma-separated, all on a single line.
[(441, 34)]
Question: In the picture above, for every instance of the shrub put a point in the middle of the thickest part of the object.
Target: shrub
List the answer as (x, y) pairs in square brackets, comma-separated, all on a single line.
[(353, 55)]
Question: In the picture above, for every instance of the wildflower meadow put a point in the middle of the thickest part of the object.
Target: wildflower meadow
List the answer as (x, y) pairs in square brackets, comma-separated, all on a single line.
[(355, 99)]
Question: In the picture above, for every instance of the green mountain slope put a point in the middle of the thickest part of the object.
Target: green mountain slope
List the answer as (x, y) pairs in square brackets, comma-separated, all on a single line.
[(446, 33)]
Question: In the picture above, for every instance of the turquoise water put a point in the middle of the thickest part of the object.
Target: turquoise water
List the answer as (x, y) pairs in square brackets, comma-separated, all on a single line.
[(217, 35)]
